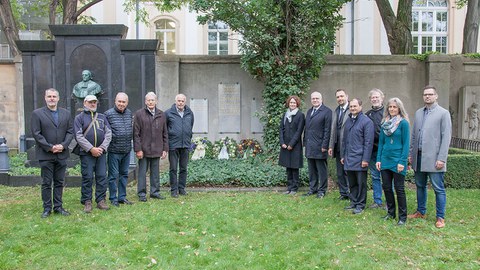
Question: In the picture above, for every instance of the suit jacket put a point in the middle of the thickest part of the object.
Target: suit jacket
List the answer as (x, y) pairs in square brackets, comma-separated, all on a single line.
[(47, 134), (334, 143), (436, 135), (357, 142), (317, 132)]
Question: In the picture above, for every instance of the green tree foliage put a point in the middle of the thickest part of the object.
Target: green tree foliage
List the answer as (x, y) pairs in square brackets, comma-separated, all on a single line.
[(283, 43)]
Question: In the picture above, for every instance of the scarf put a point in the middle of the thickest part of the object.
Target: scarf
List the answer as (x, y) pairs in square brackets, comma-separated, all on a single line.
[(289, 114), (390, 125)]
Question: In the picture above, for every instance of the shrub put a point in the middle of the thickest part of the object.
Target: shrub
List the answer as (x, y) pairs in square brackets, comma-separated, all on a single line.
[(249, 172), (463, 171)]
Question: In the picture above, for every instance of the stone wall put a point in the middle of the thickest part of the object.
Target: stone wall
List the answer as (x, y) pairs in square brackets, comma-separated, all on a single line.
[(199, 77), (10, 114)]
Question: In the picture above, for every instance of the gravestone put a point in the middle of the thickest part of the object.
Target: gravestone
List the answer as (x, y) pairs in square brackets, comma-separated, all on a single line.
[(115, 63)]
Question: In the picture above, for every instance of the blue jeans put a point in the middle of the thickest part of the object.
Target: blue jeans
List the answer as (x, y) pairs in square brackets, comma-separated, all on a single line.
[(118, 172), (91, 165), (376, 181), (437, 180)]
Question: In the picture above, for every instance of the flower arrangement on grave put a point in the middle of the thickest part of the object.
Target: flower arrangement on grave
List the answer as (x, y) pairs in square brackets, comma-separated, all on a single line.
[(201, 147), (226, 144), (249, 148)]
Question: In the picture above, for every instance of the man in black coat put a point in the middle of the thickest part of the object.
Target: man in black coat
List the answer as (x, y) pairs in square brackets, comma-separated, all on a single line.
[(180, 121), (318, 122), (52, 129)]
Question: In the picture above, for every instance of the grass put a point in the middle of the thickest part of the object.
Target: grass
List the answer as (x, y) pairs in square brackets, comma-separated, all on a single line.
[(222, 230)]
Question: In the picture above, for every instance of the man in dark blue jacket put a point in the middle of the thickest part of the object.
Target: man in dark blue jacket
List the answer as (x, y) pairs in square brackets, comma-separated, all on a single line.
[(94, 143), (121, 122), (318, 122), (180, 125), (356, 151)]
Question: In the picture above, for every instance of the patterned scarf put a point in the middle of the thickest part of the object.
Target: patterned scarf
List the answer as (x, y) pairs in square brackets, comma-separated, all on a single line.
[(390, 125)]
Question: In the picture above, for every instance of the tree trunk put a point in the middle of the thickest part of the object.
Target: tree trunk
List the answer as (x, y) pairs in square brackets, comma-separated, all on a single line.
[(9, 26), (397, 27), (470, 29), (52, 11), (69, 12)]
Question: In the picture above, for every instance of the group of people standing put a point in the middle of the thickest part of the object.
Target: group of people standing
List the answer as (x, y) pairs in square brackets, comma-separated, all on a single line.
[(105, 142), (378, 141)]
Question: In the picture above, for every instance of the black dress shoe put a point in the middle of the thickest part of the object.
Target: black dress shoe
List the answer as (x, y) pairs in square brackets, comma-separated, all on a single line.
[(308, 194), (388, 217), (142, 199), (45, 214), (350, 207), (401, 222), (61, 211), (125, 202), (174, 194), (115, 203), (183, 193), (320, 195), (157, 196)]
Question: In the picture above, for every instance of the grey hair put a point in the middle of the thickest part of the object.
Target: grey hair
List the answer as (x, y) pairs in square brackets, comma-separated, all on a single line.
[(401, 109)]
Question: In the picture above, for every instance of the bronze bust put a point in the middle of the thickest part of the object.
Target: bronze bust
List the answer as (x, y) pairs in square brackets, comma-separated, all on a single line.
[(86, 86)]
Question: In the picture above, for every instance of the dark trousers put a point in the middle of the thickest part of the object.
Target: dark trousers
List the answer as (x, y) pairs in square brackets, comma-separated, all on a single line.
[(358, 188), (98, 166), (178, 157), (318, 175), (118, 175), (143, 165), (52, 171), (293, 178), (342, 179), (399, 185)]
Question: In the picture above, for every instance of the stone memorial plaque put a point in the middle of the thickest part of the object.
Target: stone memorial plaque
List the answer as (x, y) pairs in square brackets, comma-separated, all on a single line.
[(255, 124), (229, 108), (199, 106)]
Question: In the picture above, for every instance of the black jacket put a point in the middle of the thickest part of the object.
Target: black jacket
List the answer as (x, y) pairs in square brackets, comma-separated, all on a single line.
[(121, 124), (180, 129)]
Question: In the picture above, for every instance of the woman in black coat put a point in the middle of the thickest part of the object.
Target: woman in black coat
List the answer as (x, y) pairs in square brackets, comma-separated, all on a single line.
[(291, 152)]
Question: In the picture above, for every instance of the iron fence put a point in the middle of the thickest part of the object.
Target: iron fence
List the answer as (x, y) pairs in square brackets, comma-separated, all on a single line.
[(472, 145)]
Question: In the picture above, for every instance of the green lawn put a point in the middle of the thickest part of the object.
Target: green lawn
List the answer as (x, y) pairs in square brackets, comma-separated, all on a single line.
[(222, 230)]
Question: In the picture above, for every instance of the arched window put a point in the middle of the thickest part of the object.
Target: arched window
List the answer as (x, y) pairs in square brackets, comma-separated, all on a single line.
[(165, 33), (429, 26), (217, 38)]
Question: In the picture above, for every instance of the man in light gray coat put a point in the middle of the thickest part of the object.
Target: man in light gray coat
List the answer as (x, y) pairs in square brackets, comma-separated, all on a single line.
[(432, 131)]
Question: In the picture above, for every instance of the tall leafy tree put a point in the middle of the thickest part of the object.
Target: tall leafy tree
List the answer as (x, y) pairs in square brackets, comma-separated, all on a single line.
[(284, 43), (397, 25)]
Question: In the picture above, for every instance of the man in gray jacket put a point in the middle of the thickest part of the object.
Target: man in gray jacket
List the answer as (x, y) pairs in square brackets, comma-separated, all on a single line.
[(431, 134), (180, 126)]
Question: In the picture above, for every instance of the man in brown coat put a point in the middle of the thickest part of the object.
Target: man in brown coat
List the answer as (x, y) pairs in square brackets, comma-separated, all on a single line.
[(150, 143)]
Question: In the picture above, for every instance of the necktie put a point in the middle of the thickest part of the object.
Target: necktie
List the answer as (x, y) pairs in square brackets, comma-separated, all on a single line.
[(314, 110)]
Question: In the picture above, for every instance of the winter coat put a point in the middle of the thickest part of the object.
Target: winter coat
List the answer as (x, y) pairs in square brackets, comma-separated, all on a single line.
[(121, 124), (357, 142), (150, 133), (317, 132), (99, 134), (180, 129), (291, 134)]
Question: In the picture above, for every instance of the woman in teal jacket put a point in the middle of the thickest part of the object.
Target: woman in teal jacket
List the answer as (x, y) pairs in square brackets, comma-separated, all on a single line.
[(393, 147)]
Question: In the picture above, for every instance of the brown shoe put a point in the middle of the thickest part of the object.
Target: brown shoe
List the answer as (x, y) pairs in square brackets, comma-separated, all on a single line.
[(102, 205), (440, 223), (88, 207), (417, 215)]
